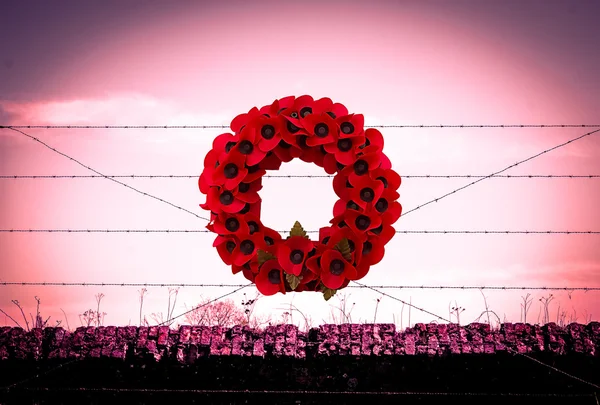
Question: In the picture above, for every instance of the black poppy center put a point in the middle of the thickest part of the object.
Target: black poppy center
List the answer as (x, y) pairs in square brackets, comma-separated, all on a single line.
[(244, 187), (284, 145), (253, 227), (226, 198), (362, 222), (269, 241), (292, 128), (347, 127), (382, 205), (232, 224), (384, 181), (361, 167), (377, 230), (332, 115), (267, 132), (274, 276), (245, 209), (247, 247), (352, 205), (351, 245), (230, 245), (325, 240), (305, 111), (296, 256), (321, 130), (230, 171), (336, 267), (339, 166), (246, 147), (229, 146), (367, 247), (367, 194), (344, 145)]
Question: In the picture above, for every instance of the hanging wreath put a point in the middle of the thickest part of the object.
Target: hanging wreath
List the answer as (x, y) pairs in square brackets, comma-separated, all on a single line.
[(317, 131)]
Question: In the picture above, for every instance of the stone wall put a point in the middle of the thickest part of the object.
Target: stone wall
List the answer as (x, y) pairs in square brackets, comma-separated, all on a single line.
[(339, 359), (191, 342)]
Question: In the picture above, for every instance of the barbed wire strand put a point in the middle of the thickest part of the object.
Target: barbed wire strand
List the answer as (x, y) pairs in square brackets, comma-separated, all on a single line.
[(109, 178), (441, 126), (170, 320), (508, 348), (223, 285), (501, 171), (173, 231), (307, 176), (310, 392)]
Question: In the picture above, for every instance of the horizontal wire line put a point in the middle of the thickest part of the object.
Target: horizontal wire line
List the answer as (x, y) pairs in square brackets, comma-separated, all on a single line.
[(500, 171), (308, 392), (371, 126), (444, 232), (361, 286), (306, 176), (116, 181)]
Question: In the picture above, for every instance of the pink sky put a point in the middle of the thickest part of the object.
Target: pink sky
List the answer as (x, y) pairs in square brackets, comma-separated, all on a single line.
[(193, 63)]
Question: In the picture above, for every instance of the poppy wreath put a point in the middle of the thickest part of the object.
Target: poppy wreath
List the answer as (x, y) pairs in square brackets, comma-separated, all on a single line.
[(316, 131)]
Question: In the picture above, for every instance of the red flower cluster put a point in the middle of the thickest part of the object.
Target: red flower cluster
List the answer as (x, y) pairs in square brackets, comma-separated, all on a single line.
[(317, 131)]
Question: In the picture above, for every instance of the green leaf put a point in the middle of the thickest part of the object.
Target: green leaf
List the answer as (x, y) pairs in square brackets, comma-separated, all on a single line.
[(294, 281), (328, 293), (344, 248), (263, 256), (297, 230)]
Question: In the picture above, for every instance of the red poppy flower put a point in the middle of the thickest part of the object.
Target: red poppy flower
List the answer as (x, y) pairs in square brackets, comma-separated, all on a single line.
[(248, 192), (365, 190), (335, 269), (291, 129), (390, 179), (326, 105), (247, 247), (272, 239), (372, 252), (246, 145), (367, 160), (359, 222), (373, 138), (239, 122), (345, 149), (331, 165), (268, 132), (388, 207), (219, 200), (384, 233), (277, 106), (283, 151), (386, 163), (354, 241), (225, 246), (340, 186), (313, 263), (351, 125), (292, 254), (321, 129), (270, 162), (362, 269), (229, 224), (270, 279), (232, 170)]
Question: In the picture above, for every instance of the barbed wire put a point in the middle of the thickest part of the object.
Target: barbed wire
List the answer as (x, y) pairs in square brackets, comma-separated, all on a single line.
[(310, 392), (366, 125), (501, 171), (222, 285), (307, 176), (175, 231), (112, 179)]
